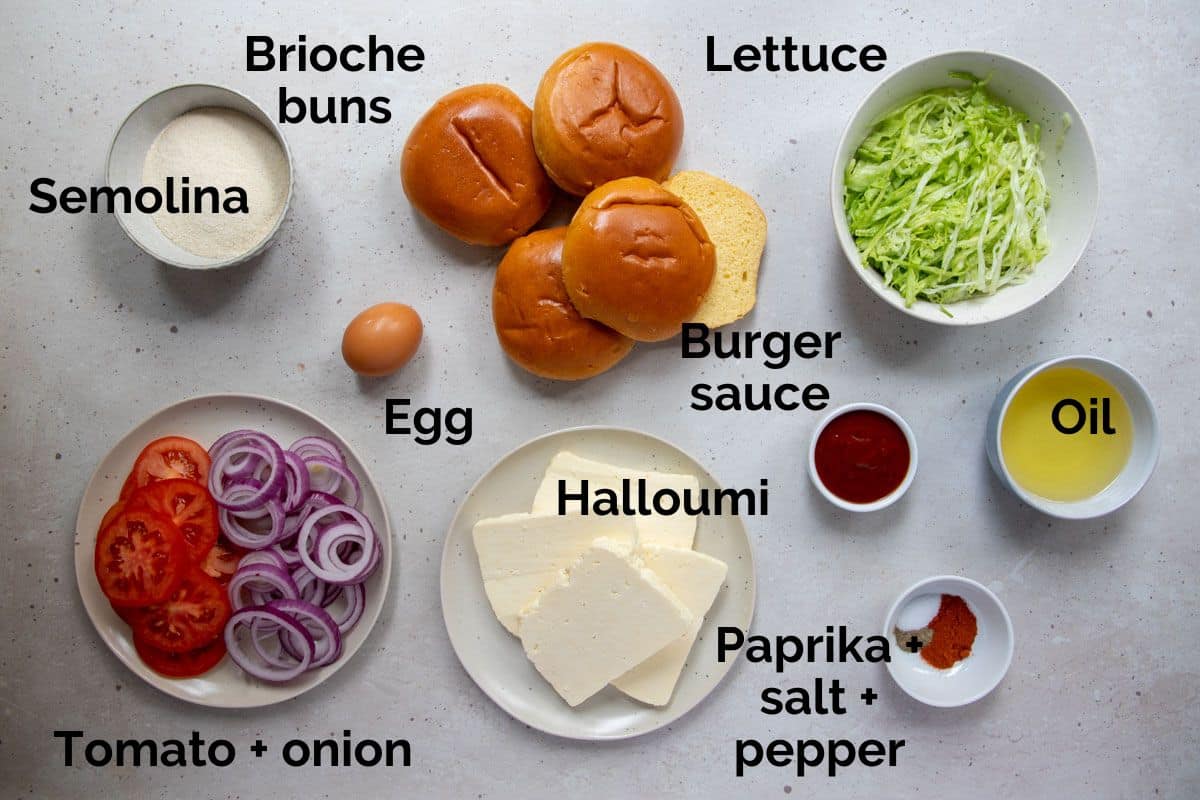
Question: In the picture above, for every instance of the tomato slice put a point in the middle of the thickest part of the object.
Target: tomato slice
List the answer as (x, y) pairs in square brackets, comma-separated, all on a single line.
[(170, 457), (194, 615), (113, 510), (188, 505), (181, 665), (140, 558), (129, 615), (127, 487), (222, 561)]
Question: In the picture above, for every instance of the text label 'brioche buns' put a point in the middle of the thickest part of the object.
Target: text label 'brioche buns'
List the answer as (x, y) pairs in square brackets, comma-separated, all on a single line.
[(536, 323), (603, 112), (469, 166), (637, 259), (738, 228)]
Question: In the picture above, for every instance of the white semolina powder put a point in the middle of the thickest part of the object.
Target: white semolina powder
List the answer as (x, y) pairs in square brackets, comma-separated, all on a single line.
[(219, 147)]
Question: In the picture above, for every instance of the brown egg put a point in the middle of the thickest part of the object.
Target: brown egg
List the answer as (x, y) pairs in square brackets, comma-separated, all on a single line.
[(381, 339)]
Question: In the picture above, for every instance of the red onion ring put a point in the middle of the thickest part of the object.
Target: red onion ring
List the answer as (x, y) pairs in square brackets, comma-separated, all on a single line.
[(237, 469), (334, 570), (348, 613), (344, 478), (242, 536), (287, 557), (269, 556), (260, 581), (297, 484), (323, 631), (311, 588), (266, 669), (310, 446), (224, 467)]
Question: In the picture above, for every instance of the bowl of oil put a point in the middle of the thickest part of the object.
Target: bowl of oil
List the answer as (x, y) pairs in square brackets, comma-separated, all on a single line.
[(1075, 437)]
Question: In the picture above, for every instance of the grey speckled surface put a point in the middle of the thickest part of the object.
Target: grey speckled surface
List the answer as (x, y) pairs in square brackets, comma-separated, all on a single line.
[(1102, 697)]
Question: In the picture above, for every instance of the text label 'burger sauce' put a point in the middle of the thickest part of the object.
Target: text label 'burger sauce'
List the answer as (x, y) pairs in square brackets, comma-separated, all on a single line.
[(862, 456)]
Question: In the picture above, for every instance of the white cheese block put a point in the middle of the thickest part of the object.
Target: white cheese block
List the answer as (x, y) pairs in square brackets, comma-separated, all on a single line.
[(606, 614), (521, 554), (676, 530), (696, 579)]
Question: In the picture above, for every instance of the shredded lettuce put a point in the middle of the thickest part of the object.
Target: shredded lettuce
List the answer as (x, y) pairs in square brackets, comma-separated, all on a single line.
[(946, 197)]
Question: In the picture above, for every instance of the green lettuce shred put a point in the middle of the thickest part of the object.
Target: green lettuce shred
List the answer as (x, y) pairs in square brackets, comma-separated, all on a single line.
[(946, 197)]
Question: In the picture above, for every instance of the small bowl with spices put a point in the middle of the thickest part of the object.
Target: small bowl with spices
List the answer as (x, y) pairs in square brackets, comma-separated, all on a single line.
[(863, 457), (951, 641), (200, 177)]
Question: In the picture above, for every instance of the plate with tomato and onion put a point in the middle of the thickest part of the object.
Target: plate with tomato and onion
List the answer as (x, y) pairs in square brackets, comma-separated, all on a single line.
[(233, 551)]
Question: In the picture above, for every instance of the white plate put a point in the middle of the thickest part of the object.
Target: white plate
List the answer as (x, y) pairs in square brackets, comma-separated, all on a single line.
[(204, 419), (494, 658)]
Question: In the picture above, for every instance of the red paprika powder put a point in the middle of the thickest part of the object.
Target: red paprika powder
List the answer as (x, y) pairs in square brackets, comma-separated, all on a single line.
[(954, 630)]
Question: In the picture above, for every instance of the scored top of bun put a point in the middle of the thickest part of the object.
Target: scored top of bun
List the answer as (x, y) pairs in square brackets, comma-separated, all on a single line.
[(537, 326), (604, 112), (638, 259), (470, 167)]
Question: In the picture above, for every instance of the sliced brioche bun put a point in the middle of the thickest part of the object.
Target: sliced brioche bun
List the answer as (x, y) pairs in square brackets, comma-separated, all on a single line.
[(738, 229), (535, 322), (637, 259)]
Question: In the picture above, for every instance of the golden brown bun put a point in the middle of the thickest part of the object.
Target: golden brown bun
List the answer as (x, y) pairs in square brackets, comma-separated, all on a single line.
[(638, 259), (535, 321), (603, 112), (469, 166)]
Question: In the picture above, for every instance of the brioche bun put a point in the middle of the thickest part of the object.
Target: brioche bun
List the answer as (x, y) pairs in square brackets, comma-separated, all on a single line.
[(738, 228), (537, 326), (603, 112), (469, 166), (637, 259)]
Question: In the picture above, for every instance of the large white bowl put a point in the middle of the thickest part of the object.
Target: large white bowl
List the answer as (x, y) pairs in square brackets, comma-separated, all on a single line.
[(1070, 167)]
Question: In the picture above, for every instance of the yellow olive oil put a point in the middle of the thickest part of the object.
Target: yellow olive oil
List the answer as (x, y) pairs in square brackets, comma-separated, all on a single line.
[(1066, 435)]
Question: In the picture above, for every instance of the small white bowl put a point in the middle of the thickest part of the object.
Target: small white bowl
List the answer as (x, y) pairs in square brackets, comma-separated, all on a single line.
[(1070, 169), (127, 155), (974, 676), (886, 500), (1142, 458)]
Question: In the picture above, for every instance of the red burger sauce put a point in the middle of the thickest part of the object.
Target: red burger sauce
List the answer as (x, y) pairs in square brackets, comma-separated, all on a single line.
[(862, 456)]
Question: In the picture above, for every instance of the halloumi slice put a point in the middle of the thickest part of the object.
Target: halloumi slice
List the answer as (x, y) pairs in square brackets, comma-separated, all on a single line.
[(676, 530), (605, 615), (522, 554), (696, 579)]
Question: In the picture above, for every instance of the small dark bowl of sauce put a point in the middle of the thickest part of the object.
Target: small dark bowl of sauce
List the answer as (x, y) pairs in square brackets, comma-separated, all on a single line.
[(863, 457)]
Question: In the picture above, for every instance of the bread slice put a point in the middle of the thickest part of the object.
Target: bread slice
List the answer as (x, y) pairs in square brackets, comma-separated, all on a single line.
[(738, 229)]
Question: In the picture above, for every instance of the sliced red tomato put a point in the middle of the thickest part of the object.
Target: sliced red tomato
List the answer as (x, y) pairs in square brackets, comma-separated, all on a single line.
[(170, 457), (193, 616), (140, 558), (113, 510), (222, 561), (188, 505), (129, 615), (181, 665), (128, 486)]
